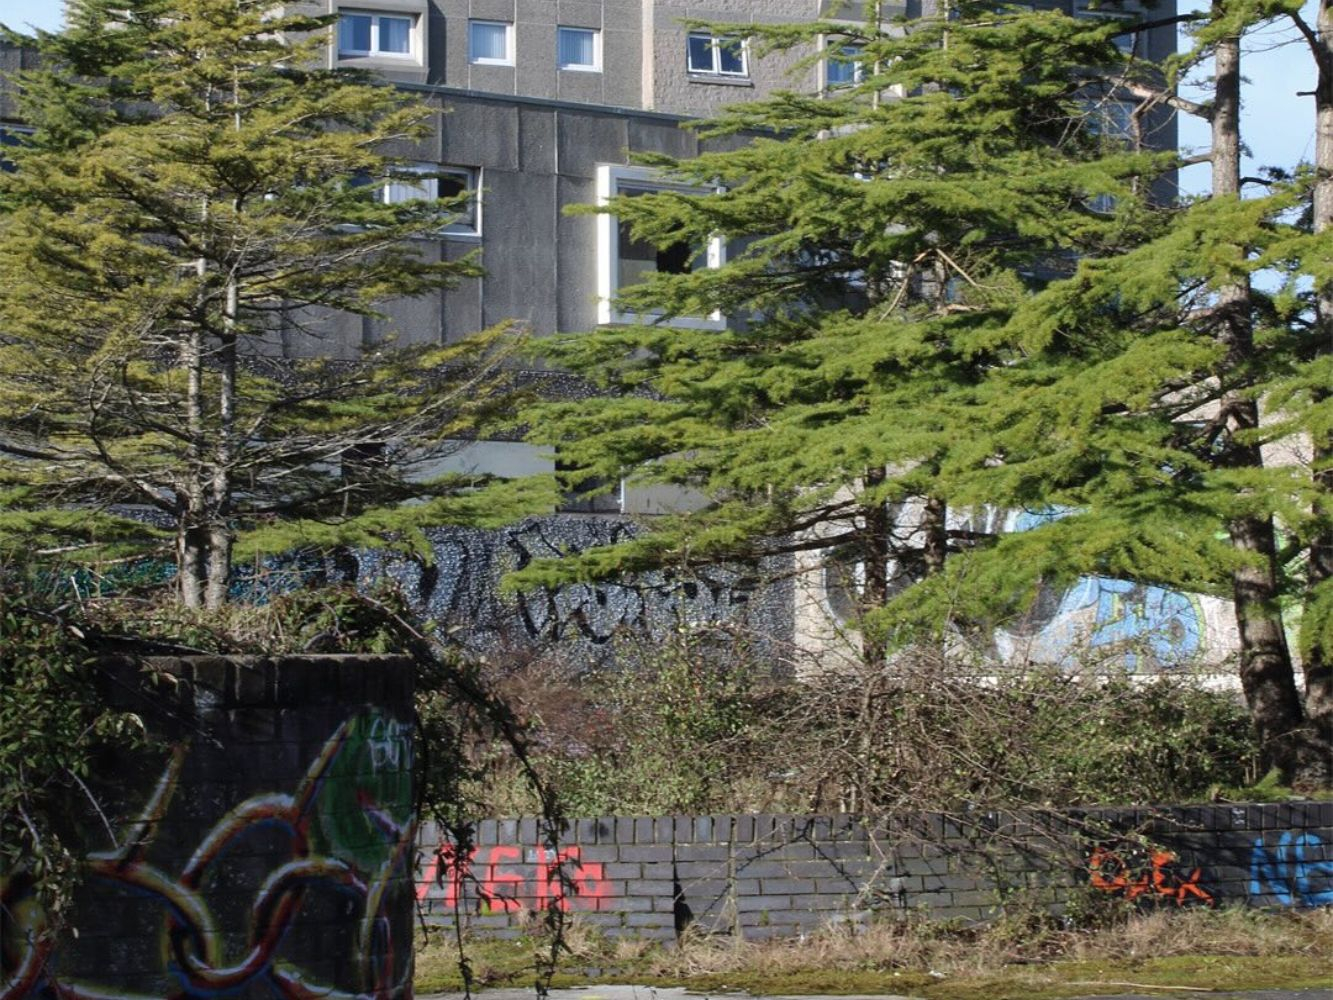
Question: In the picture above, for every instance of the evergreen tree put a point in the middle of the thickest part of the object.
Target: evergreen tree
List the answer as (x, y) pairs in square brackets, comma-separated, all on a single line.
[(936, 308), (1182, 447), (882, 235), (194, 190)]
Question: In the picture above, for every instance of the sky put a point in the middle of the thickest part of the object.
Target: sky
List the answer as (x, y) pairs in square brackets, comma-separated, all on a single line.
[(1277, 125)]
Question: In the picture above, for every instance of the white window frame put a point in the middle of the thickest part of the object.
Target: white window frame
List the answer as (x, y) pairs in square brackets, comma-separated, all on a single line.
[(413, 18), (430, 191), (472, 184), (476, 60), (596, 66), (716, 69), (614, 179), (832, 46)]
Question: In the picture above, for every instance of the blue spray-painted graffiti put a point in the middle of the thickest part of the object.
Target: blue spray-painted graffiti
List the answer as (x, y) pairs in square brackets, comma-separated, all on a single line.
[(1148, 625), (1296, 871)]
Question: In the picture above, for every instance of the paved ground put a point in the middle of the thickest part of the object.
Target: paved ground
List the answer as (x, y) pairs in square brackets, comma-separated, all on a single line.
[(678, 993)]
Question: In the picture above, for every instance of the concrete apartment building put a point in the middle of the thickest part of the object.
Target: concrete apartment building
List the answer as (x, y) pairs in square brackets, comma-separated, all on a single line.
[(542, 104)]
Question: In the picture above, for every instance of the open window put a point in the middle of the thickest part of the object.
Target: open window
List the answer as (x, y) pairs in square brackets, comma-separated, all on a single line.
[(429, 182), (623, 261)]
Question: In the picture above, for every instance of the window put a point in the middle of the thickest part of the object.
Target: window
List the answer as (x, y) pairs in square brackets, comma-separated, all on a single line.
[(362, 34), (490, 43), (715, 55), (1126, 40), (579, 49), (10, 136), (1113, 122), (623, 261), (842, 66), (429, 182), (453, 183)]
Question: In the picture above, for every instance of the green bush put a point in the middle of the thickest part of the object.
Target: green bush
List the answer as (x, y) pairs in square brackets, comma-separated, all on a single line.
[(52, 727)]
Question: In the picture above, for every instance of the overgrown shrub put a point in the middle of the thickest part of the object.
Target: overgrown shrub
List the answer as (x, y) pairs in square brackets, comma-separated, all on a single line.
[(701, 727), (52, 727)]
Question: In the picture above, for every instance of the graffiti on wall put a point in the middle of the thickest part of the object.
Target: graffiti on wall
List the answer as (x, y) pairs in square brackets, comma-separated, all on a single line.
[(506, 878), (348, 829), (1137, 625), (1297, 870), (1136, 873), (1140, 624), (461, 587)]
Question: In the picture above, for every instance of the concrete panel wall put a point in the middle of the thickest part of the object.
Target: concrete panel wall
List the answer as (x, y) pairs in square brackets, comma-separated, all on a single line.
[(261, 836), (533, 159), (760, 876), (677, 90), (535, 72)]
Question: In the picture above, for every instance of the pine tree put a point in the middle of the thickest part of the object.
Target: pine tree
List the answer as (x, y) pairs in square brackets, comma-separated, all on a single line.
[(193, 188), (1183, 446), (883, 233), (934, 310)]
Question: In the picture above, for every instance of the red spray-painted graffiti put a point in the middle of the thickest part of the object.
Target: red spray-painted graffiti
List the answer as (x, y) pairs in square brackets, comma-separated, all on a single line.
[(193, 937), (500, 879), (1127, 873)]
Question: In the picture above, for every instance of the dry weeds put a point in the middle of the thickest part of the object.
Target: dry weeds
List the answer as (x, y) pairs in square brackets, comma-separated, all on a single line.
[(918, 949)]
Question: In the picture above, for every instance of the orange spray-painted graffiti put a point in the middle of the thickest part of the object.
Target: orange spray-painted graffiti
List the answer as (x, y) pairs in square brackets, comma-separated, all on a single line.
[(502, 881), (1125, 872), (193, 937)]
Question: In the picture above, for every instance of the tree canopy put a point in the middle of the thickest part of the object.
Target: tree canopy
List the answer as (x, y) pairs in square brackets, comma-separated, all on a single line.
[(961, 282), (195, 192)]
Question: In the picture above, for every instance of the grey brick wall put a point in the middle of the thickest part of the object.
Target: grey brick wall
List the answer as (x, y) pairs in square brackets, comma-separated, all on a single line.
[(777, 875), (270, 812)]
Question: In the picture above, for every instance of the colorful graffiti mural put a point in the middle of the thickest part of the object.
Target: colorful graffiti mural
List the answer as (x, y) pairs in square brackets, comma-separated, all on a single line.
[(348, 829), (1137, 873), (506, 878), (1296, 871), (1142, 625)]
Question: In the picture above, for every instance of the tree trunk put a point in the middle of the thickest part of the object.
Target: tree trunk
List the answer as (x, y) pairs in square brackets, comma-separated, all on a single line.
[(935, 535), (875, 552), (1266, 673), (192, 539), (219, 487), (1317, 767)]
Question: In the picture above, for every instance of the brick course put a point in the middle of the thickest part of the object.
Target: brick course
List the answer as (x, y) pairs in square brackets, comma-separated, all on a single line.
[(772, 875)]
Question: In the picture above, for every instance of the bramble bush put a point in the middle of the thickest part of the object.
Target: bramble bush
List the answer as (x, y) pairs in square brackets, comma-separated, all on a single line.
[(701, 726)]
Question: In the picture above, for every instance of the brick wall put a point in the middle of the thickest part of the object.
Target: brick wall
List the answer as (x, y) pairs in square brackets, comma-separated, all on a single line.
[(767, 876), (262, 843)]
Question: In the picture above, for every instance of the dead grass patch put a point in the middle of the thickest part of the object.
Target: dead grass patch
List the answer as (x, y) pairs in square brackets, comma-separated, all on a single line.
[(1030, 957)]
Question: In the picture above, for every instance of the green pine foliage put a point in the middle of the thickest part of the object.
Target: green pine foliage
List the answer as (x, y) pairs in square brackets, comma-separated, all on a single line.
[(196, 189), (883, 238)]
